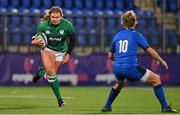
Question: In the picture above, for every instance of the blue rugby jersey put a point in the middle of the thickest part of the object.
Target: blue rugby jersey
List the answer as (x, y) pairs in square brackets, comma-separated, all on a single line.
[(125, 44)]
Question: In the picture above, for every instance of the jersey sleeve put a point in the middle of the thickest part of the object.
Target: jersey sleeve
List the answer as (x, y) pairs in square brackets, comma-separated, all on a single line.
[(70, 28), (112, 46), (40, 28), (142, 42)]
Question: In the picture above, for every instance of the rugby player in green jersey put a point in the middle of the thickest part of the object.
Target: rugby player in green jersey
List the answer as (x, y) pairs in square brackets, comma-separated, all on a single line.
[(61, 40)]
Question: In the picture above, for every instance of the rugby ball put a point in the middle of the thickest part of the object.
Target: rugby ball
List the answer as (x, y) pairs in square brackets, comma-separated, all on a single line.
[(42, 36)]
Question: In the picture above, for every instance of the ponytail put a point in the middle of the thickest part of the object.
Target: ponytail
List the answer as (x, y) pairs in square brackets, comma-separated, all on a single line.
[(46, 16)]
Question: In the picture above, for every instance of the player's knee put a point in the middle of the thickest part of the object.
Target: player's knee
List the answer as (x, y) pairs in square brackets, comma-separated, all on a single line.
[(153, 79), (51, 77), (156, 80), (50, 71), (119, 86)]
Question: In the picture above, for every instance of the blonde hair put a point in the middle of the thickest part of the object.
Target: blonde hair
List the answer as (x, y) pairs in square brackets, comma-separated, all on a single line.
[(54, 9), (129, 19)]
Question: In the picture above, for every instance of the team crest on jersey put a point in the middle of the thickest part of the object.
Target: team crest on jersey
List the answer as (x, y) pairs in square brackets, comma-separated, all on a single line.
[(61, 31), (47, 32)]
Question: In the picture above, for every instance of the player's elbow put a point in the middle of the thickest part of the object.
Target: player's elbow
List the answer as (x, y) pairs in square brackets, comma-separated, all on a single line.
[(150, 51)]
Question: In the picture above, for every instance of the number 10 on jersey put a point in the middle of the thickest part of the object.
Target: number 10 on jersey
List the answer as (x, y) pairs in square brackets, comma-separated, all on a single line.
[(123, 45)]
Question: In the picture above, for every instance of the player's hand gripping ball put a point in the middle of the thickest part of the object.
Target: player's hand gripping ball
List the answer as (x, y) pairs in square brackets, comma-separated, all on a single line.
[(41, 37)]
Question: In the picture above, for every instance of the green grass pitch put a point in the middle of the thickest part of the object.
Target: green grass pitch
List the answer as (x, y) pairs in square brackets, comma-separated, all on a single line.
[(82, 100)]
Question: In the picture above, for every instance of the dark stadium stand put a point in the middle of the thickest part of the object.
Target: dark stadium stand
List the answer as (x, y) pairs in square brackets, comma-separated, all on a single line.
[(79, 4), (86, 21), (171, 5), (89, 4)]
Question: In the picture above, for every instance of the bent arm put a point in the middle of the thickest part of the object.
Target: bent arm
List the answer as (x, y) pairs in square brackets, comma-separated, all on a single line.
[(70, 47), (71, 44), (156, 56)]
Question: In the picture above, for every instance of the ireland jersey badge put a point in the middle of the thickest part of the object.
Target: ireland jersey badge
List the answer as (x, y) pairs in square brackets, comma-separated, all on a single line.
[(47, 32), (61, 31)]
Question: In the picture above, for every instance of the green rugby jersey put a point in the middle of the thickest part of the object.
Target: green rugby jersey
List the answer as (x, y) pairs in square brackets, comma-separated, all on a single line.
[(57, 35)]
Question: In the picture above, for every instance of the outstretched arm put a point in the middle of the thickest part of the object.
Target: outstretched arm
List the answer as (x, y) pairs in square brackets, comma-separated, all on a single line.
[(156, 56)]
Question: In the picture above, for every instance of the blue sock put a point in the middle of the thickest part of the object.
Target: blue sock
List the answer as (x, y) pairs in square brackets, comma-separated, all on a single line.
[(113, 94), (160, 95)]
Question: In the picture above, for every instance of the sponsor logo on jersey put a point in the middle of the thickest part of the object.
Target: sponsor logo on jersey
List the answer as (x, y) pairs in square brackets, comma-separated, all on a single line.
[(47, 32), (61, 31), (55, 39)]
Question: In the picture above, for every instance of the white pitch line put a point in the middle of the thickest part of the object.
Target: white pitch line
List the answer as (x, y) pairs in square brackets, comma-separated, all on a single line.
[(32, 96)]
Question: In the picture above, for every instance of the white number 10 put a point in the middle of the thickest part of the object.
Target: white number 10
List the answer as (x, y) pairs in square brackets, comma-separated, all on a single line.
[(123, 45)]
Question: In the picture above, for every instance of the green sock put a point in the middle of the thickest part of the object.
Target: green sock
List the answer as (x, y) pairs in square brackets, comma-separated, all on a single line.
[(41, 73), (55, 86)]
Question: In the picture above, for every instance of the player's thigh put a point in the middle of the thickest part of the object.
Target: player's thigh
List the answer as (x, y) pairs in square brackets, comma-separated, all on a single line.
[(59, 56), (59, 60), (133, 73), (118, 73), (153, 79), (48, 60), (140, 73), (58, 65)]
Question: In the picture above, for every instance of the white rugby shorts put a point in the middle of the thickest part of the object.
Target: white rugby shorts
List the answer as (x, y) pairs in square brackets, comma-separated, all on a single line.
[(59, 55)]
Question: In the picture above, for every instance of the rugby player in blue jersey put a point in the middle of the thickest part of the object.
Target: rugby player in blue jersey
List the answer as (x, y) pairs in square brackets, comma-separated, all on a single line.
[(123, 52)]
